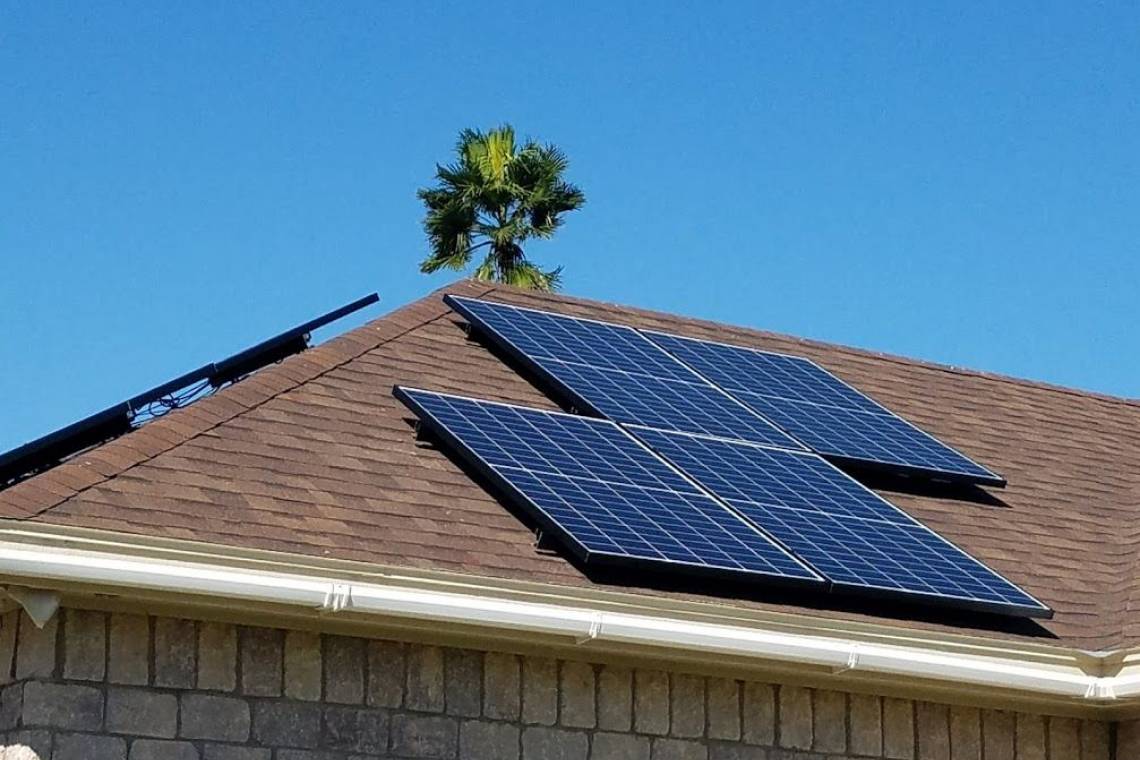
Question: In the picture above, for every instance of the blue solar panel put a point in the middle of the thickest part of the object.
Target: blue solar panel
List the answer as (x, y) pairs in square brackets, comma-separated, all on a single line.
[(672, 405), (821, 411), (608, 497), (843, 433), (617, 373), (540, 334), (855, 538)]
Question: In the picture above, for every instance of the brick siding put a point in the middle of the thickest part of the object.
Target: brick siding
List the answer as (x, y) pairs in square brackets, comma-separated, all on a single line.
[(98, 686)]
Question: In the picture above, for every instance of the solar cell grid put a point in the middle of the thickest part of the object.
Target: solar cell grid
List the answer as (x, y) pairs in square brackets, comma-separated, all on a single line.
[(736, 368), (645, 400), (849, 534), (510, 436), (617, 373), (739, 472), (540, 334), (606, 495), (821, 411), (880, 555), (653, 525), (849, 434)]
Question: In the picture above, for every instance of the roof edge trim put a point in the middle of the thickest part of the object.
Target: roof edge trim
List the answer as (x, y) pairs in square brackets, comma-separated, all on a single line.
[(51, 535), (576, 621)]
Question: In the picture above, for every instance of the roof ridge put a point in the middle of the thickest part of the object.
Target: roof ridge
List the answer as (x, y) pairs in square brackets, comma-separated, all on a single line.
[(823, 344), (65, 492)]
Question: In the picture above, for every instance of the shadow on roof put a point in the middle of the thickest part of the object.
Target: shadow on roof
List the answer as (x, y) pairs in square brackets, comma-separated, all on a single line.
[(806, 599), (933, 489), (536, 381)]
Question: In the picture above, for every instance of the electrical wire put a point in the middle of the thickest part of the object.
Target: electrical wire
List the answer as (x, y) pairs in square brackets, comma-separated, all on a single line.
[(160, 406)]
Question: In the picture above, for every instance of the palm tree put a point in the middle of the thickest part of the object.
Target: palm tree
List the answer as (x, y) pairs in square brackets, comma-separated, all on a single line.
[(497, 195)]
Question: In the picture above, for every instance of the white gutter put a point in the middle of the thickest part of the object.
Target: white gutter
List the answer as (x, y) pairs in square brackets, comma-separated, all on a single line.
[(1123, 687), (53, 567)]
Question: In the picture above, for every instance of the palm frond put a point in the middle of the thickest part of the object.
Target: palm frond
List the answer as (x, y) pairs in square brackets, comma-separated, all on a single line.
[(497, 194), (554, 159), (499, 153), (490, 154), (467, 137), (486, 271), (448, 226), (526, 275)]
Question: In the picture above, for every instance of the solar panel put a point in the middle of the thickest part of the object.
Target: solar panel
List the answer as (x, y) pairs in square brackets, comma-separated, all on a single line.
[(541, 334), (607, 497), (821, 411), (884, 439), (854, 538), (615, 372)]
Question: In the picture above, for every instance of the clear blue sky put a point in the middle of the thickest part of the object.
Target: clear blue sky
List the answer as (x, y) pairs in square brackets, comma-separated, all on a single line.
[(956, 183)]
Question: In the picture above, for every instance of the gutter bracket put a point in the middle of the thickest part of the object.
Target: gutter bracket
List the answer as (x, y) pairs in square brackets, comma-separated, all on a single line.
[(1100, 688), (338, 598), (852, 661), (39, 605), (593, 633)]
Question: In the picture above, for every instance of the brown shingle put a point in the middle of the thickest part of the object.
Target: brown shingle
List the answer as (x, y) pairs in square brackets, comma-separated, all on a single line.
[(315, 456)]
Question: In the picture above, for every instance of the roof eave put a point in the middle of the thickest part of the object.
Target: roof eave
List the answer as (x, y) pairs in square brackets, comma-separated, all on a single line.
[(583, 622)]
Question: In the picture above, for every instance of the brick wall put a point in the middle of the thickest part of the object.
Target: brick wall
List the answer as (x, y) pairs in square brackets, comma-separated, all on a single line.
[(97, 686)]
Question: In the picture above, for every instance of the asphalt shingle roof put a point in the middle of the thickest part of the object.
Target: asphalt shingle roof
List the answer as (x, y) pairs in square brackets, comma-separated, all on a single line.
[(315, 457)]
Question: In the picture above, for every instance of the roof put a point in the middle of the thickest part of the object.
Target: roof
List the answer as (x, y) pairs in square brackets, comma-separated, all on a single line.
[(315, 457)]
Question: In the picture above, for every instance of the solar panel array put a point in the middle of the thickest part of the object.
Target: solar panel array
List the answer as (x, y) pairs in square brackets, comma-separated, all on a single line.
[(849, 534), (609, 497), (617, 373), (821, 411), (676, 396)]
